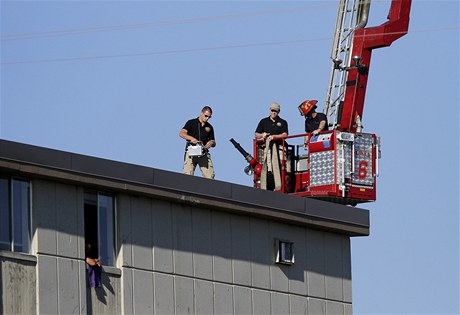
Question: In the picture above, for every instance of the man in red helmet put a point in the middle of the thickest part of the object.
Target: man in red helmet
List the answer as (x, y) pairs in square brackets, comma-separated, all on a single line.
[(314, 122)]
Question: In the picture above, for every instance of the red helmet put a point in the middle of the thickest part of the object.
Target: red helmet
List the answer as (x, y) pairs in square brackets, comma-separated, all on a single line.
[(307, 106)]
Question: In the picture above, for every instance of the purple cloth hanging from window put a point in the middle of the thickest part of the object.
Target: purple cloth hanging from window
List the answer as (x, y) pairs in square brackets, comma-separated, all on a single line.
[(95, 276)]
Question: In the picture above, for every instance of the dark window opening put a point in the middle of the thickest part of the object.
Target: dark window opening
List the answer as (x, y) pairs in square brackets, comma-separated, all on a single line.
[(99, 227), (15, 208)]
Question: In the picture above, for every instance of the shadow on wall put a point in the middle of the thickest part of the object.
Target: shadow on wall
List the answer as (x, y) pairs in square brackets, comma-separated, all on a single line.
[(175, 228), (194, 233), (99, 292)]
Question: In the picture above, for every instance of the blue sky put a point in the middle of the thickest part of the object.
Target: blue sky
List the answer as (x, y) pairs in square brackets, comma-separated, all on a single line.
[(118, 79)]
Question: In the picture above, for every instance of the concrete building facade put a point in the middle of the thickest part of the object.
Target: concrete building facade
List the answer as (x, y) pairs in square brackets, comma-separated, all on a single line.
[(170, 243)]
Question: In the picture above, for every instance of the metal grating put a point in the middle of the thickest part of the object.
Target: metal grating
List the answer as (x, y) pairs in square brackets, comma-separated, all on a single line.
[(322, 168)]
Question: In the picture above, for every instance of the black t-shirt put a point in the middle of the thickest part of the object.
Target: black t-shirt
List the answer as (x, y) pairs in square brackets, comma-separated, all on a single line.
[(276, 127), (313, 123), (202, 133)]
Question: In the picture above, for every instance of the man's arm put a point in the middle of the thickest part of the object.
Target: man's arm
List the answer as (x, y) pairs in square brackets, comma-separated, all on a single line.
[(184, 135), (210, 143), (282, 135), (261, 135), (321, 127)]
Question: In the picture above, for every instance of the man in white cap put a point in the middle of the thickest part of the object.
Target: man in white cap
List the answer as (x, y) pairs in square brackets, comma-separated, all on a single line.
[(272, 129), (272, 126)]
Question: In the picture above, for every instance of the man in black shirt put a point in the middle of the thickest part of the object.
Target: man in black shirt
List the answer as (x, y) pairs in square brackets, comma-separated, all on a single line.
[(199, 131), (314, 122), (270, 129), (272, 126)]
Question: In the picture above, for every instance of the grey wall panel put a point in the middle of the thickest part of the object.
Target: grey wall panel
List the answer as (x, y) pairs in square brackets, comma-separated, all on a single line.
[(141, 231), (299, 305), (204, 297), (223, 299), (17, 288), (202, 243), (182, 238), (317, 307), (346, 270), (278, 273), (164, 294), (44, 212), (184, 295), (47, 285), (347, 309), (222, 246), (242, 303), (81, 223), (67, 220), (124, 234), (143, 297), (68, 286), (83, 289), (261, 302), (127, 294), (117, 295), (162, 236), (106, 299), (297, 273), (316, 264), (241, 250), (279, 303), (262, 249), (333, 254), (335, 308)]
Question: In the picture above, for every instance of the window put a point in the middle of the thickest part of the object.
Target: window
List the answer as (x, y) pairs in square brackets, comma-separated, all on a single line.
[(284, 252), (15, 207), (99, 227)]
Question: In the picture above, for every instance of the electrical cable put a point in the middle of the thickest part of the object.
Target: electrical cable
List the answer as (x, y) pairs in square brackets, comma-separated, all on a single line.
[(160, 23), (192, 50)]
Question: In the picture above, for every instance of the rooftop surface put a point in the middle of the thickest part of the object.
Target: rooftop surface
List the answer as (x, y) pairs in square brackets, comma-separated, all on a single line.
[(31, 161)]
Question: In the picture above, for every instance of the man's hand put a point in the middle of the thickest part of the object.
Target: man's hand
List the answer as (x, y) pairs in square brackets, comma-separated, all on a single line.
[(210, 143), (305, 142)]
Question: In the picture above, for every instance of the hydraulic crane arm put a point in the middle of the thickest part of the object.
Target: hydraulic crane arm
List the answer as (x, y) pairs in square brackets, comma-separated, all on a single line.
[(350, 99), (364, 41), (339, 164)]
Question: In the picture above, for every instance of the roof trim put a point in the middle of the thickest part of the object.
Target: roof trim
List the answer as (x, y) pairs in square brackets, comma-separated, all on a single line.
[(39, 162)]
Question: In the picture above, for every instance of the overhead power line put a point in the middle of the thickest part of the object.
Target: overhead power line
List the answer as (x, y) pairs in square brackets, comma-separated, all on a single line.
[(166, 52), (194, 20), (192, 50)]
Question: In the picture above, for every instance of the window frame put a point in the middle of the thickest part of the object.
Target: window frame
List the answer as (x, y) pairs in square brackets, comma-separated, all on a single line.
[(12, 210), (107, 255)]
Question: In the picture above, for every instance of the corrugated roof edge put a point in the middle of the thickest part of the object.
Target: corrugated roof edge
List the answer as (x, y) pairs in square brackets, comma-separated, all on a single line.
[(193, 190)]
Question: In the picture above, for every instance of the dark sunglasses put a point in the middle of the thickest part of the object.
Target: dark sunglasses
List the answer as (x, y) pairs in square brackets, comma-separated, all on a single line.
[(274, 111), (207, 116)]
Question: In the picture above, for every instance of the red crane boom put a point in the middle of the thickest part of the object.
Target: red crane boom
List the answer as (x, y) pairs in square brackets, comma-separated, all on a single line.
[(364, 41), (341, 164)]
